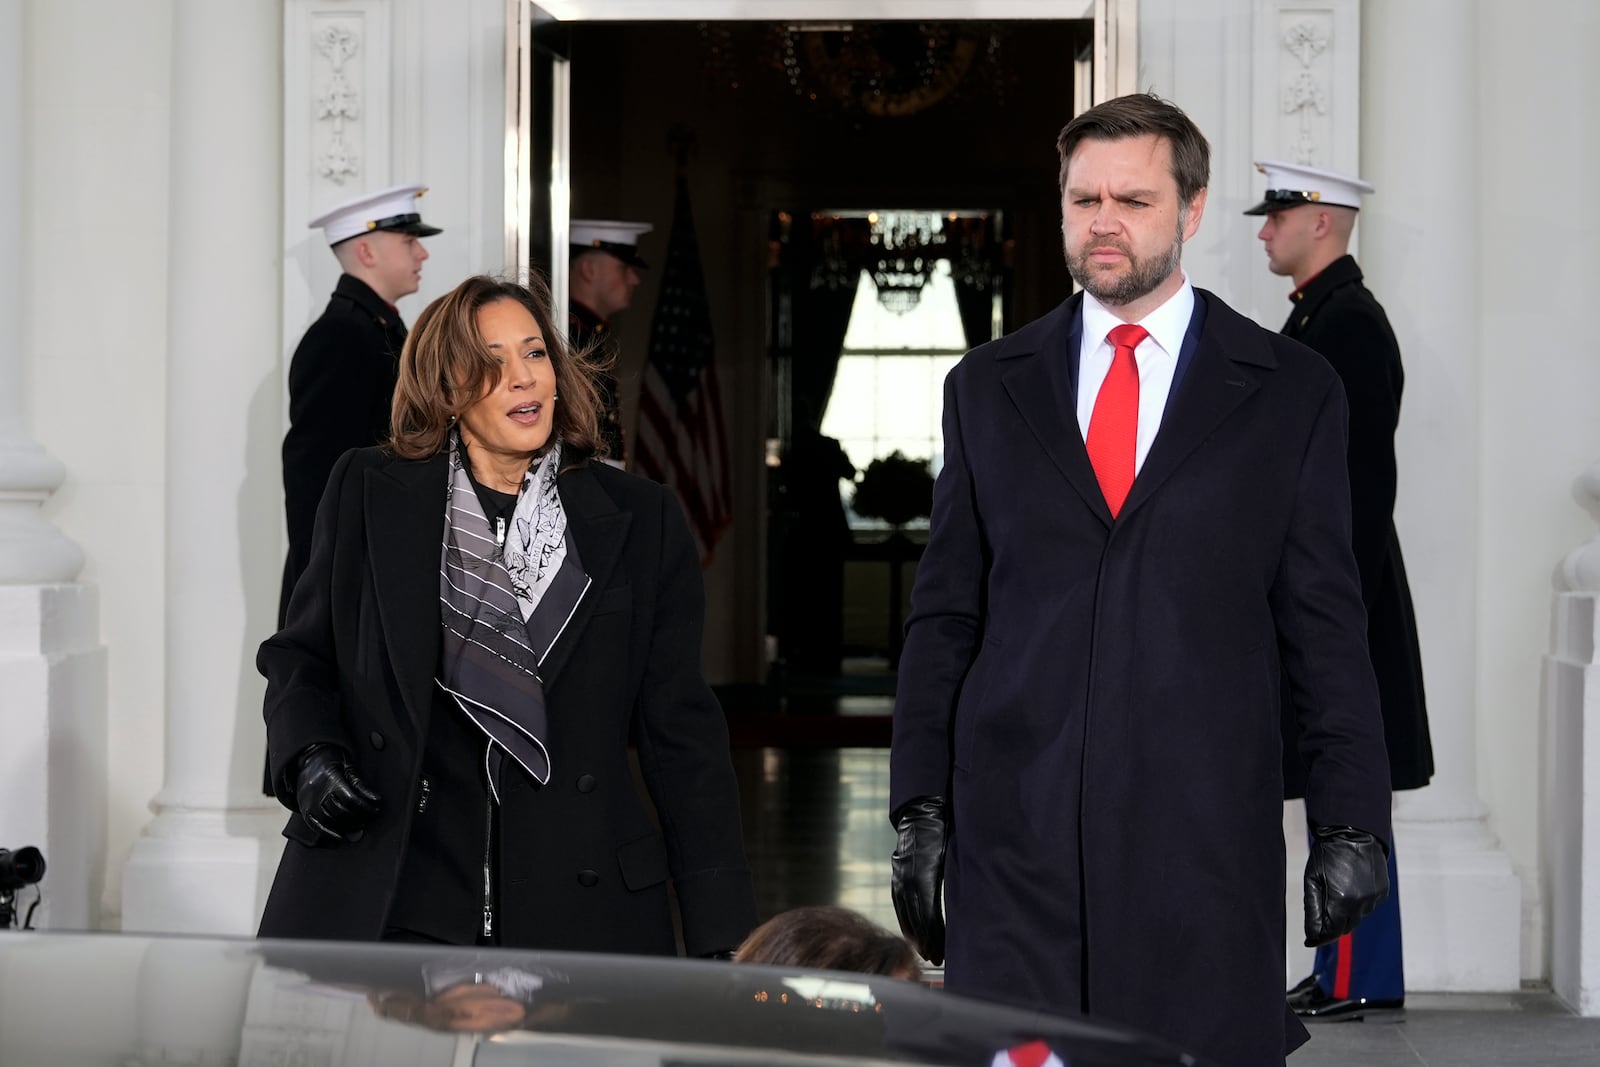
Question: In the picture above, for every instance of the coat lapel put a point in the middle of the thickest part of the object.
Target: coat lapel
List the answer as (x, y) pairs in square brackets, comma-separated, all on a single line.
[(405, 531), (599, 529), (1039, 382), (1225, 372)]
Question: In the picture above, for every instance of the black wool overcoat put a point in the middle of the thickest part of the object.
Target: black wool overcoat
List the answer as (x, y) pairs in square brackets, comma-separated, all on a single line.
[(1099, 698), (1339, 318), (582, 865)]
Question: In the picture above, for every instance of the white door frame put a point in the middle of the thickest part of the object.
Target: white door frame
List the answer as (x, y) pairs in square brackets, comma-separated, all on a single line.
[(1115, 70)]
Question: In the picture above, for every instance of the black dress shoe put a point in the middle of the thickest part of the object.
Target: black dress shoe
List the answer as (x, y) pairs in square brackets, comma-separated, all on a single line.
[(1302, 992), (1320, 1007)]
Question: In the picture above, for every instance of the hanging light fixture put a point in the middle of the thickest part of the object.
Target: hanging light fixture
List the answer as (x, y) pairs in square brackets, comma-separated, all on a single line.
[(906, 246)]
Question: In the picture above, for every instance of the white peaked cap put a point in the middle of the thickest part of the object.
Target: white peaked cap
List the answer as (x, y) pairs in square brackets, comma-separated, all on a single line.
[(1289, 184), (621, 239), (393, 209)]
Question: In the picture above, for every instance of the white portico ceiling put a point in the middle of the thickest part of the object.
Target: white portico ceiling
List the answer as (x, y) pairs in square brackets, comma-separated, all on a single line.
[(813, 10)]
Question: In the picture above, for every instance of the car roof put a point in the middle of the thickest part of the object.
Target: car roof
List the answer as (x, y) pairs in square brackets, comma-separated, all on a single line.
[(97, 998)]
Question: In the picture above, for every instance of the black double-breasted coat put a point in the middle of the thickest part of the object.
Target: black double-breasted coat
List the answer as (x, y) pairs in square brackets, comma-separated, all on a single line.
[(581, 865), (341, 386), (1336, 315), (1099, 698)]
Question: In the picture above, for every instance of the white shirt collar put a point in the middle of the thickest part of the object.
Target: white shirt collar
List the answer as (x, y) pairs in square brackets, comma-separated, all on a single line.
[(1166, 325)]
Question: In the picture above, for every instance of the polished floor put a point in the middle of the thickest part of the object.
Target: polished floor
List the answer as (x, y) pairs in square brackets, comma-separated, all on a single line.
[(817, 832)]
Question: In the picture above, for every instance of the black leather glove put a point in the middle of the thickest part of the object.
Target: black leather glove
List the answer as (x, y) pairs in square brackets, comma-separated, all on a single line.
[(1346, 877), (918, 874), (330, 795)]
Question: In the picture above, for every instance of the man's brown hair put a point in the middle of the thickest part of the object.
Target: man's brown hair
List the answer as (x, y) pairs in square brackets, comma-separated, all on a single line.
[(1139, 115), (445, 368)]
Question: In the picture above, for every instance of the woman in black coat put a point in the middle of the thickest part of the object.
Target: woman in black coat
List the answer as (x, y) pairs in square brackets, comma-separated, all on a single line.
[(486, 622)]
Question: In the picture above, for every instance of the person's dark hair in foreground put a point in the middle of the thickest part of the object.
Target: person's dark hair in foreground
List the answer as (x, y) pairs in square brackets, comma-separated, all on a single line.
[(832, 938)]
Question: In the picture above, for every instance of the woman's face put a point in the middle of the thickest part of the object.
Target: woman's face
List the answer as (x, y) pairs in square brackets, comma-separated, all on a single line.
[(515, 419)]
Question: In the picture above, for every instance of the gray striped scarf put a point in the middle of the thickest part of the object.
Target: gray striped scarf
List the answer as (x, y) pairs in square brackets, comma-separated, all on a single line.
[(502, 607)]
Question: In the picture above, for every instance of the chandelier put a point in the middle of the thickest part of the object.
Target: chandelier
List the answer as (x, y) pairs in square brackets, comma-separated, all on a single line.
[(900, 251), (905, 247)]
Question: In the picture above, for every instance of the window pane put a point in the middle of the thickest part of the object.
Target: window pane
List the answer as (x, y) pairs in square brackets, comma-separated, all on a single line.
[(889, 390), (909, 410)]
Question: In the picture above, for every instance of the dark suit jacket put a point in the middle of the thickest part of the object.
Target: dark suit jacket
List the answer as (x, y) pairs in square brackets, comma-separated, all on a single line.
[(1336, 315), (581, 864), (1099, 699), (341, 386)]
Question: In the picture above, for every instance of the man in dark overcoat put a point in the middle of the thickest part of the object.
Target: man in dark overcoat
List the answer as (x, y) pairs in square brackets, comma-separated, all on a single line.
[(1310, 216), (1143, 511), (342, 375)]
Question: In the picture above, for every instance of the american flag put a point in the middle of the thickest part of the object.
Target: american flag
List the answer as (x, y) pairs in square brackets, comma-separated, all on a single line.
[(681, 438)]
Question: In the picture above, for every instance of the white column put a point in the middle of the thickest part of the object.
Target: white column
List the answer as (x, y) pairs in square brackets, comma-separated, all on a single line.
[(52, 671), (1569, 799), (1420, 250), (205, 861), (31, 550)]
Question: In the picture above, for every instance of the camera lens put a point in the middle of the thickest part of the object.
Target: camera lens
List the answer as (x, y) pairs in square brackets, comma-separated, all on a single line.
[(23, 867)]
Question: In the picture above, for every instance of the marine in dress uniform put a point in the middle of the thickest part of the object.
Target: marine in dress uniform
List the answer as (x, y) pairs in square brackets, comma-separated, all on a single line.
[(1310, 213), (342, 375), (605, 272)]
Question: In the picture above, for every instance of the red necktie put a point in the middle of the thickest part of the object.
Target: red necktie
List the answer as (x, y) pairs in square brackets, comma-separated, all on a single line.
[(1114, 426)]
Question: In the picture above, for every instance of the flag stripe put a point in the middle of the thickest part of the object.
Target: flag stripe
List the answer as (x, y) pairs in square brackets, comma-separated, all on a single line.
[(682, 438)]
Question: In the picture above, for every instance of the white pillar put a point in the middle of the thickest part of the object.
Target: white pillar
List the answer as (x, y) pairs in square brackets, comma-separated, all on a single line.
[(31, 550), (1569, 800), (1420, 250), (52, 670), (206, 859)]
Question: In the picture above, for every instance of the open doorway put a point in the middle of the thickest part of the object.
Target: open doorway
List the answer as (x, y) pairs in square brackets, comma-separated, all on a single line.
[(771, 120), (785, 132)]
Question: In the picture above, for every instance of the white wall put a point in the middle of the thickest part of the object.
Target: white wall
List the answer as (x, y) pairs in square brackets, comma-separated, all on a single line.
[(432, 110), (94, 337), (1197, 54), (1539, 129)]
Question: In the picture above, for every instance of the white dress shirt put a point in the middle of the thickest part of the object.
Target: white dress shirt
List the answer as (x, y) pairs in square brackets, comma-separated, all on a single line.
[(1156, 356)]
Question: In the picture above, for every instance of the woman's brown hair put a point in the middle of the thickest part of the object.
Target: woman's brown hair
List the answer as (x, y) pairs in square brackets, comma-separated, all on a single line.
[(445, 368), (832, 938)]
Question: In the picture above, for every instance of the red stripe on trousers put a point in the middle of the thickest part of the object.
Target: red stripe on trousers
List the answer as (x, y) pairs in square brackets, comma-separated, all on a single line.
[(1341, 975)]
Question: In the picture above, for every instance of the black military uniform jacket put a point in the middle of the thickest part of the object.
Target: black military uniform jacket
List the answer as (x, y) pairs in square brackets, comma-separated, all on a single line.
[(341, 385), (1336, 315), (586, 330)]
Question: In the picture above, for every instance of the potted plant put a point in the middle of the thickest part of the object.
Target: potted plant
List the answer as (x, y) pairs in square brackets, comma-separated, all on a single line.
[(895, 489)]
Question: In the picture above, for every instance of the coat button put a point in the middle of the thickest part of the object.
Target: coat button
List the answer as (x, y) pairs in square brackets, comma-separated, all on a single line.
[(588, 879), (586, 783), (377, 739)]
